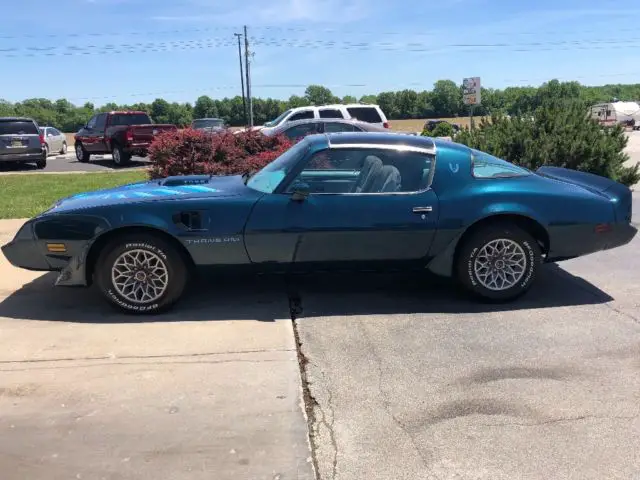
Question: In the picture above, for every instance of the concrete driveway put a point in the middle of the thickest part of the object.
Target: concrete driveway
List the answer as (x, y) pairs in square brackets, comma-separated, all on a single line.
[(210, 391), (408, 379)]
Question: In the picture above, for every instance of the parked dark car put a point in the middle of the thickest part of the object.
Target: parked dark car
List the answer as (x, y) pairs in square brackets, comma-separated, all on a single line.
[(371, 201), (209, 124), (123, 134), (310, 126), (21, 141)]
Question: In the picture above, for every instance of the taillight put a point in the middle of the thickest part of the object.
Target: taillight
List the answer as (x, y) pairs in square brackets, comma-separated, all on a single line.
[(603, 228), (129, 135), (41, 139), (386, 125)]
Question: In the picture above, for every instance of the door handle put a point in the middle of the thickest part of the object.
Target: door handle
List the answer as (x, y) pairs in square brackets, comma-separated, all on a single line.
[(422, 209)]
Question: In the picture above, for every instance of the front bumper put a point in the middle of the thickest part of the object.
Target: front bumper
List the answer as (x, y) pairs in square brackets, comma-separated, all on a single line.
[(22, 157), (23, 251)]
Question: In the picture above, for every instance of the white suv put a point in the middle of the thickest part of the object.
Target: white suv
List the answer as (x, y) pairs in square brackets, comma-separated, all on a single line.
[(356, 111)]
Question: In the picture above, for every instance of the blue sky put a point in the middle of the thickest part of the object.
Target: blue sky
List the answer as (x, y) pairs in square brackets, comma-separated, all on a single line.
[(353, 46)]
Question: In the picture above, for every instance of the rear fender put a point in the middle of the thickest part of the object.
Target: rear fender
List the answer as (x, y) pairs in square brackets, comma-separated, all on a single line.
[(446, 242)]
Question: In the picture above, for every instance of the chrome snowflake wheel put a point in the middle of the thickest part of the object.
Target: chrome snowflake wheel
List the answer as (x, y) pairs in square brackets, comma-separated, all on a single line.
[(140, 276), (500, 264)]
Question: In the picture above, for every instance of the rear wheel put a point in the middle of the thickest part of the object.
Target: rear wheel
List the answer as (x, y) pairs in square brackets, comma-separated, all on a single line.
[(120, 157), (141, 273), (81, 154), (46, 150), (498, 262), (42, 163)]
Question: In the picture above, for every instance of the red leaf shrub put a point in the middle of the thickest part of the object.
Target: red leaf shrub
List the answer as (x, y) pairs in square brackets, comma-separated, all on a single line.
[(193, 152)]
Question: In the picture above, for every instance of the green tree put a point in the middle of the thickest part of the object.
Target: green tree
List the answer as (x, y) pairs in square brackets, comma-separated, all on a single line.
[(446, 99), (347, 99), (558, 133), (205, 107), (319, 95)]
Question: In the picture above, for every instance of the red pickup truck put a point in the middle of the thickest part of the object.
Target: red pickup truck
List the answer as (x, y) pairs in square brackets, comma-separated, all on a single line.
[(123, 134)]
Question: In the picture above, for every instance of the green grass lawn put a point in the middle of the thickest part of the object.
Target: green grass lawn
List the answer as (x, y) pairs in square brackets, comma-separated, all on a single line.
[(23, 196)]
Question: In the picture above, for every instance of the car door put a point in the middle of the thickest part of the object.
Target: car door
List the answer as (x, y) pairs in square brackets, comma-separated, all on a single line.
[(59, 139), (100, 144), (365, 208), (87, 134)]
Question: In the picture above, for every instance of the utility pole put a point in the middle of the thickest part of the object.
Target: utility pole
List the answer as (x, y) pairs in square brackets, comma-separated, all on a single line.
[(246, 59), (244, 101)]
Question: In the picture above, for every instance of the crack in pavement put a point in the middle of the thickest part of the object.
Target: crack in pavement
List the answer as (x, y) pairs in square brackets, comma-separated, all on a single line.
[(561, 420), (387, 404), (624, 314), (329, 426), (143, 357)]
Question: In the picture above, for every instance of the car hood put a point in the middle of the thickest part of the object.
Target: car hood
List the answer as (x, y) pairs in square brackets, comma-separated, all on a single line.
[(170, 188)]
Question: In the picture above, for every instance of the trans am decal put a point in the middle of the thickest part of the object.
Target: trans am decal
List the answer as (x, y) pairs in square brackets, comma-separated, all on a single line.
[(135, 191)]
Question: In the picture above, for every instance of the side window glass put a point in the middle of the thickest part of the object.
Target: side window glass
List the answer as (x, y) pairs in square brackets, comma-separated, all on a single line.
[(330, 127), (92, 122), (353, 171), (331, 113), (487, 166), (299, 131), (301, 115), (101, 120), (55, 132)]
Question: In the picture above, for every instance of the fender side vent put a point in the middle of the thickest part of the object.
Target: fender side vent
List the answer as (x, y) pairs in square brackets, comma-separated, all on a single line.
[(188, 220)]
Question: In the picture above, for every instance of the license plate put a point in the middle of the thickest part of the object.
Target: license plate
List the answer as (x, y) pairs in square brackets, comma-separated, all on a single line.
[(16, 143)]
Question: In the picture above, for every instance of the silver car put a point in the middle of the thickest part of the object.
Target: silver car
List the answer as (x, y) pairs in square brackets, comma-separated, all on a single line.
[(309, 126), (54, 140), (21, 141)]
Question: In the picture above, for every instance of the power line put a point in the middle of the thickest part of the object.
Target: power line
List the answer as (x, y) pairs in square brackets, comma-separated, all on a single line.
[(289, 29), (141, 47)]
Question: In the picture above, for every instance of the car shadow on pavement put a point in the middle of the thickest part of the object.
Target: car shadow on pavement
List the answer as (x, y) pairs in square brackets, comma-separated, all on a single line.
[(108, 163), (268, 298)]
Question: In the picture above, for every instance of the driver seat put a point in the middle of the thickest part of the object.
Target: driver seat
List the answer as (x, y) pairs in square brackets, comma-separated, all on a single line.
[(371, 168)]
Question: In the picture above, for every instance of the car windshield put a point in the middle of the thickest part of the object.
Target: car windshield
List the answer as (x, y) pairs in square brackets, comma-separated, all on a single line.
[(268, 179), (208, 123), (277, 120)]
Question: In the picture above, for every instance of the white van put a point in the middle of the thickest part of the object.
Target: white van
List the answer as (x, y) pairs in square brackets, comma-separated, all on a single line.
[(355, 111)]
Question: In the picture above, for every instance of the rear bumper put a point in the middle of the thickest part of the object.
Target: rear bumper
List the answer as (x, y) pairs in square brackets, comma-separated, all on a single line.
[(22, 157), (572, 242)]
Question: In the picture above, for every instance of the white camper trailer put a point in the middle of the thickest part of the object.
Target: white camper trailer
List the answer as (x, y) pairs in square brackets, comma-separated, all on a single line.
[(609, 114)]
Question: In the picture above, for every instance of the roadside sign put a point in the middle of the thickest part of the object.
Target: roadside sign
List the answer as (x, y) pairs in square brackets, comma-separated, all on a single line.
[(471, 93)]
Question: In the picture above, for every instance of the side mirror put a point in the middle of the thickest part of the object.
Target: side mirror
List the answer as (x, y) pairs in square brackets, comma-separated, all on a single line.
[(300, 192)]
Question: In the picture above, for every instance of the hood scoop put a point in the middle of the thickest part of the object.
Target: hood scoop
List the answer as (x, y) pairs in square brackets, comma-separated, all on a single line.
[(185, 180)]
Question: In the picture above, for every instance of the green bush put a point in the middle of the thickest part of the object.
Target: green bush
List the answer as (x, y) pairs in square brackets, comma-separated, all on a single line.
[(558, 133), (442, 129)]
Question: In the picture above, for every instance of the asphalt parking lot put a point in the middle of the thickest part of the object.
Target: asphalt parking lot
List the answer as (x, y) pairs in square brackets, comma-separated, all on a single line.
[(69, 163), (405, 378)]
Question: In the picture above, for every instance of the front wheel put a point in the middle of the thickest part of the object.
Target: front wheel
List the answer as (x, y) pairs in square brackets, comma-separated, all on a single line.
[(141, 274), (63, 150), (499, 262)]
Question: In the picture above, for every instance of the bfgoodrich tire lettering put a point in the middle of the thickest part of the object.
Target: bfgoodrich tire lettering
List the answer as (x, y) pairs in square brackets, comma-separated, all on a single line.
[(155, 247), (473, 259)]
